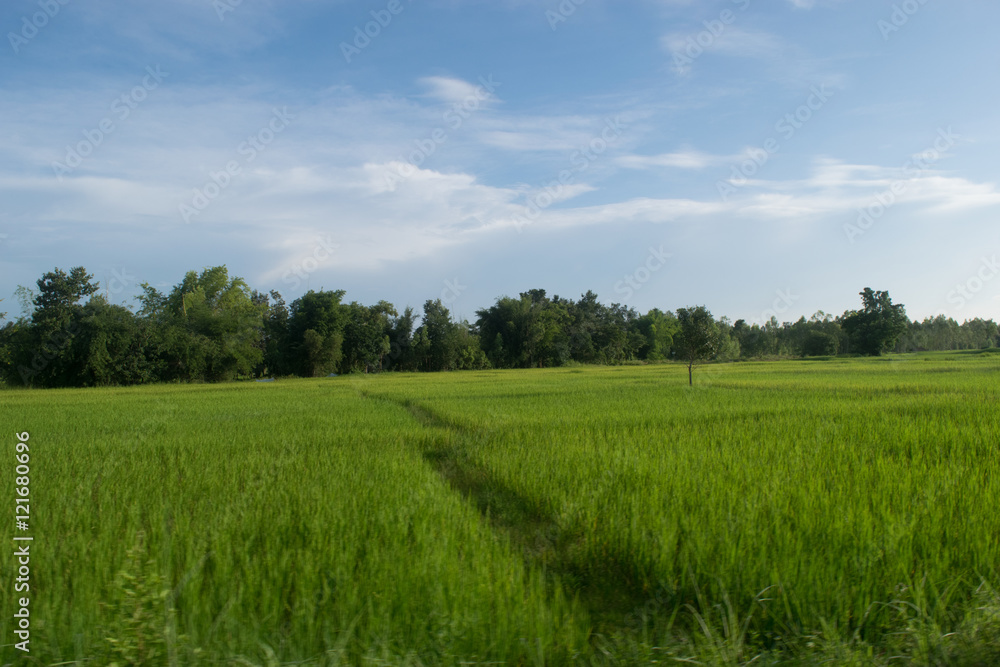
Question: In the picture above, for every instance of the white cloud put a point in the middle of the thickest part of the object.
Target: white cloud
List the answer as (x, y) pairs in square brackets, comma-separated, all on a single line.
[(686, 159), (326, 174), (556, 132), (833, 190), (836, 188), (452, 90)]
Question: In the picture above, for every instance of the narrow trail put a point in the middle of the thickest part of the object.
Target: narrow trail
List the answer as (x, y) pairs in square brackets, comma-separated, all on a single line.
[(611, 591)]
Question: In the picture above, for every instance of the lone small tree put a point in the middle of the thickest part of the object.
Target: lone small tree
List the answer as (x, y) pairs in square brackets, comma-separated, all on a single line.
[(876, 328), (698, 338)]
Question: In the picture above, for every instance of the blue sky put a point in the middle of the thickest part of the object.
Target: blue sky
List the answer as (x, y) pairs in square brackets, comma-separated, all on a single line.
[(756, 157)]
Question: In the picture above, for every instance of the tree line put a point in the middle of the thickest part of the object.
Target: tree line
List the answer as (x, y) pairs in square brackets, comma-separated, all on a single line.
[(214, 327)]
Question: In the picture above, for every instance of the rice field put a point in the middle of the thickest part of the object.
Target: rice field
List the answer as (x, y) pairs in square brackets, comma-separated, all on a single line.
[(839, 511)]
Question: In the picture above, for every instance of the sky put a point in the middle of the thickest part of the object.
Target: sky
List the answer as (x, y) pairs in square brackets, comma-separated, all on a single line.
[(757, 157)]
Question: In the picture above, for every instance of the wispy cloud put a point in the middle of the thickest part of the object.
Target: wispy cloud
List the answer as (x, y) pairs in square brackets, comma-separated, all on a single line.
[(733, 41), (181, 29), (832, 191), (326, 176), (685, 159), (449, 89)]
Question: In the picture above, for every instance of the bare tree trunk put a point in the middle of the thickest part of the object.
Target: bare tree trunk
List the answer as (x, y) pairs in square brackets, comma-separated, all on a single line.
[(690, 381)]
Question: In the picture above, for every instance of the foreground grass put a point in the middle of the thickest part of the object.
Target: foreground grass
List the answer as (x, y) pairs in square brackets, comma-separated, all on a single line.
[(777, 513), (294, 520)]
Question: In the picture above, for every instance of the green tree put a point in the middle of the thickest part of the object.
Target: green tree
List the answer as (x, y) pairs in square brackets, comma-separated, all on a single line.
[(324, 315), (209, 327), (530, 330), (729, 343), (698, 337), (438, 338), (501, 331), (981, 334), (223, 321), (400, 355), (586, 316), (367, 338), (320, 354), (13, 340), (617, 338), (754, 340), (542, 321), (819, 344), (657, 330), (469, 354), (59, 293), (275, 340), (44, 354), (112, 346), (877, 326), (421, 349)]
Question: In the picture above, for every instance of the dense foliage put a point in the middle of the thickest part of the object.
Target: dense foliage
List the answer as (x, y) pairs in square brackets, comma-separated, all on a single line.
[(213, 327)]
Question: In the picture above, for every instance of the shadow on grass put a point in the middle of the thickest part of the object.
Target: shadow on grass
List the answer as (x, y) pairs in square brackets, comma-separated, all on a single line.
[(613, 588)]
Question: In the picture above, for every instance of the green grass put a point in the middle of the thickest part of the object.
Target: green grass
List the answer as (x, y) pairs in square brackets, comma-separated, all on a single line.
[(838, 512)]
